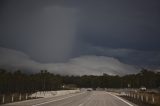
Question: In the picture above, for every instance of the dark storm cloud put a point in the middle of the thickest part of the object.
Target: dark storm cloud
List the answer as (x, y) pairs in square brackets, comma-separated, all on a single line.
[(44, 31), (130, 56), (49, 31), (129, 24)]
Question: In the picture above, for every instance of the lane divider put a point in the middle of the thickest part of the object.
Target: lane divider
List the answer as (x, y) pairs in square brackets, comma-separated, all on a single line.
[(57, 100), (88, 99), (120, 99)]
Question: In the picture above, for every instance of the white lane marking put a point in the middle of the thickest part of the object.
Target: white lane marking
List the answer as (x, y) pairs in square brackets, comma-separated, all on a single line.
[(88, 99), (120, 99), (56, 100), (80, 104)]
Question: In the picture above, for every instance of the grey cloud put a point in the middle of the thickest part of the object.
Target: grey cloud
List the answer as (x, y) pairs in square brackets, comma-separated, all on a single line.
[(135, 57), (84, 65), (12, 59), (124, 24), (47, 34)]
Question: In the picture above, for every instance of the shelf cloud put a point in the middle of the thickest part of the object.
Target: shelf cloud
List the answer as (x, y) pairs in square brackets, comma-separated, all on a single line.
[(84, 65)]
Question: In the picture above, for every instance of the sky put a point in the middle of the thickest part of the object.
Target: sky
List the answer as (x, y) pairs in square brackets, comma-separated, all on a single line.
[(80, 37)]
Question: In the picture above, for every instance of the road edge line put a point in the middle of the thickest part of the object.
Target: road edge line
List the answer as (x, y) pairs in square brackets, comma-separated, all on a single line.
[(120, 99)]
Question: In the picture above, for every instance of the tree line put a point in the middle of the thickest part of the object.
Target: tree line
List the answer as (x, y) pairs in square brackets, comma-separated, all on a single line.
[(17, 81)]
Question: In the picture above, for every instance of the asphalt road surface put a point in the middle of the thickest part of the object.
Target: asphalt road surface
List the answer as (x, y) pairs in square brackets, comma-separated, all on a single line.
[(89, 98)]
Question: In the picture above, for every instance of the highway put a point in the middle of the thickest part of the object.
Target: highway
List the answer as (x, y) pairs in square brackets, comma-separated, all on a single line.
[(89, 98)]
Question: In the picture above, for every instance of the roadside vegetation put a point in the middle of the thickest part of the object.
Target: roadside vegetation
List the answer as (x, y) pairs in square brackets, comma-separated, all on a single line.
[(11, 82)]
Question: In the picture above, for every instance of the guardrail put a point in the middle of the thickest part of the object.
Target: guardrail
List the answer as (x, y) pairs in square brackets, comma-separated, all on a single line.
[(146, 97), (8, 98), (137, 96)]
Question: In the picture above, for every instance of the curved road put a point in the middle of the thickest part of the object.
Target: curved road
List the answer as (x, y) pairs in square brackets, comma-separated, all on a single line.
[(93, 98)]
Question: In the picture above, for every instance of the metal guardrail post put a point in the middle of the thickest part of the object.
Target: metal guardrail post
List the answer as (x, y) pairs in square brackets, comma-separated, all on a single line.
[(3, 99), (134, 96), (26, 96), (153, 98), (141, 97), (146, 98), (138, 96), (12, 97), (36, 95), (20, 97)]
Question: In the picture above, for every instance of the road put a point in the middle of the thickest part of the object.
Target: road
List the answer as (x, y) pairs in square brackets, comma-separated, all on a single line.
[(90, 98)]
